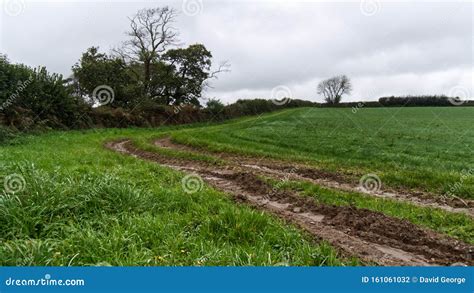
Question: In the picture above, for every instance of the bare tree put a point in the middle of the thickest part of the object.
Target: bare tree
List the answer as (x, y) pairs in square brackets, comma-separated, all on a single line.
[(333, 88), (151, 33)]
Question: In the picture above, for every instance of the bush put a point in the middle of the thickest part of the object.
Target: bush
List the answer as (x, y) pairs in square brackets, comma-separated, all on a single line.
[(6, 135), (215, 109), (31, 97), (259, 106), (369, 104), (419, 101)]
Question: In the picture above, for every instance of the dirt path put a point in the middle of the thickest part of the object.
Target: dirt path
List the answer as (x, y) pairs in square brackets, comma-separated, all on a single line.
[(372, 236), (327, 179)]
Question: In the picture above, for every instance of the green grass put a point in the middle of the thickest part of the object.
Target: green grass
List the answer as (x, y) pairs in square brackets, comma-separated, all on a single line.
[(145, 143), (457, 225), (414, 148), (85, 205)]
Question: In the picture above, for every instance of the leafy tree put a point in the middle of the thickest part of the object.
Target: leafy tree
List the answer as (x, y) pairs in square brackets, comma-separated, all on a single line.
[(95, 70), (190, 68), (144, 70), (182, 75), (167, 76)]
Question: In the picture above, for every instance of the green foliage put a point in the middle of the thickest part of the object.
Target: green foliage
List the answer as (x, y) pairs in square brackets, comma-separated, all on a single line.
[(422, 101), (6, 135), (177, 77), (259, 106), (215, 108), (96, 69), (30, 97), (190, 68)]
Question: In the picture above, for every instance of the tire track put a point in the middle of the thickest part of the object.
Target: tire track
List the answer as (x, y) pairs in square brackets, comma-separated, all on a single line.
[(334, 181), (372, 236)]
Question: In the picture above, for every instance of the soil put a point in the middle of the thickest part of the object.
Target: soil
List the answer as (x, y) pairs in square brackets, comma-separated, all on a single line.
[(371, 236)]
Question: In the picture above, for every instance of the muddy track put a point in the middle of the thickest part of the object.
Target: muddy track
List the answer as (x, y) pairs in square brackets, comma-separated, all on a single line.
[(371, 236), (280, 169)]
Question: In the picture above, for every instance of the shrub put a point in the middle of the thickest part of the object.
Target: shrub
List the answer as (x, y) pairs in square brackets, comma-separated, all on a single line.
[(215, 109), (6, 135), (417, 101), (30, 97)]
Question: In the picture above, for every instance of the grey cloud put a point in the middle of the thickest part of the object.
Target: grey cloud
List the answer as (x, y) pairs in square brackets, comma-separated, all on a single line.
[(404, 48)]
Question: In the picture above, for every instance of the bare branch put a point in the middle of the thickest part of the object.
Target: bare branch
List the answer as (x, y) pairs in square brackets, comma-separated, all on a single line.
[(334, 88), (151, 33), (224, 66)]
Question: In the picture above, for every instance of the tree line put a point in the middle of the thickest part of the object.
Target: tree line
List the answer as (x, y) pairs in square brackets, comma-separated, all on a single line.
[(148, 80), (33, 98)]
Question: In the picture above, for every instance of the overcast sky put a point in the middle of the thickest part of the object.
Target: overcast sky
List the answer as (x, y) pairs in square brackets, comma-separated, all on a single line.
[(386, 48)]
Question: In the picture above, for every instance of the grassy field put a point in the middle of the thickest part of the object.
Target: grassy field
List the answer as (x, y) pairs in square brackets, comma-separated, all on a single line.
[(84, 205), (423, 148)]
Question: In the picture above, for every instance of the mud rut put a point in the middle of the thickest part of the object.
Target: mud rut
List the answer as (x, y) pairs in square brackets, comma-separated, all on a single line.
[(371, 236), (331, 180)]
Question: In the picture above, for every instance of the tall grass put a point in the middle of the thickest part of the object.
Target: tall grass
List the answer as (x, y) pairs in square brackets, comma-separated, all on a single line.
[(84, 205)]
